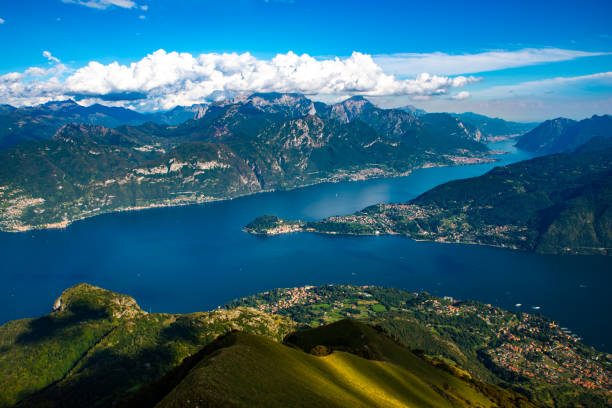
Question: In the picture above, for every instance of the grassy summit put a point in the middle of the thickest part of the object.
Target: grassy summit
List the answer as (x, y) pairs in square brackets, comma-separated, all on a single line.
[(98, 346)]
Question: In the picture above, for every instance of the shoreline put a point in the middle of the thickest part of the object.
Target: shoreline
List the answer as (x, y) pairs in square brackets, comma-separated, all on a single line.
[(64, 224), (567, 251)]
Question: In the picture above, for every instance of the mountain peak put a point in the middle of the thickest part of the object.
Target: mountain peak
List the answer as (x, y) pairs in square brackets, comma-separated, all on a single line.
[(562, 134), (87, 300), (290, 104), (351, 108), (59, 105)]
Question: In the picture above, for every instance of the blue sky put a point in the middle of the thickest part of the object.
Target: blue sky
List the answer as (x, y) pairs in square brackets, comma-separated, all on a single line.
[(522, 60)]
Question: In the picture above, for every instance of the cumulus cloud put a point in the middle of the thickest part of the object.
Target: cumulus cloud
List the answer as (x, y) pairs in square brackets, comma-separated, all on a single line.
[(1, 21), (103, 4), (166, 79), (410, 64)]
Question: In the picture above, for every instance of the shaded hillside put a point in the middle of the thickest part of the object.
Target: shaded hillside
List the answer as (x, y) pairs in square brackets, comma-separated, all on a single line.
[(551, 204), (564, 135), (99, 345), (261, 143)]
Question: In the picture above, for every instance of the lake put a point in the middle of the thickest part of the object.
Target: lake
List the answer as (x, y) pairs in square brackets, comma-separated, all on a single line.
[(195, 258)]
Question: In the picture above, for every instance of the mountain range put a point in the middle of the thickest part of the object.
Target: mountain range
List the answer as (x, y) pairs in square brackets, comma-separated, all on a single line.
[(41, 122), (240, 146)]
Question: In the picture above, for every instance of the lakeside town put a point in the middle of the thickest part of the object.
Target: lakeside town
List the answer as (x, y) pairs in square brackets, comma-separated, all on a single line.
[(519, 345)]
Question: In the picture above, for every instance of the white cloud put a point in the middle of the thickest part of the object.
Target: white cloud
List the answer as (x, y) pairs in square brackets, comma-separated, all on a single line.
[(542, 86), (103, 4), (166, 79), (2, 21), (461, 95), (410, 64), (142, 17), (50, 57), (574, 97)]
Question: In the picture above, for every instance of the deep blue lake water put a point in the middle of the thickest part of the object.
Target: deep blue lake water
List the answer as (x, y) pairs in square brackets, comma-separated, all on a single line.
[(195, 258)]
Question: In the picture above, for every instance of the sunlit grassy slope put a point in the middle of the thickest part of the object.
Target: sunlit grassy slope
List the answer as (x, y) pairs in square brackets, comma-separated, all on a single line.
[(253, 371)]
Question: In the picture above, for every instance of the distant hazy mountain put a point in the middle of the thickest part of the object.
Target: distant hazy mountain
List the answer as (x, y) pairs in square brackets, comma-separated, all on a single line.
[(494, 127), (413, 109), (42, 121), (482, 127), (560, 135), (552, 204), (250, 144)]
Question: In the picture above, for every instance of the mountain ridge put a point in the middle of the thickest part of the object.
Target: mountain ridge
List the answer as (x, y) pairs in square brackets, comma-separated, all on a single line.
[(64, 358), (563, 135)]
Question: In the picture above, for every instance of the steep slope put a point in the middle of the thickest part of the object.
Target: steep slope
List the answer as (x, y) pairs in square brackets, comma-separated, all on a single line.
[(551, 204), (251, 371), (438, 130), (260, 143), (563, 135)]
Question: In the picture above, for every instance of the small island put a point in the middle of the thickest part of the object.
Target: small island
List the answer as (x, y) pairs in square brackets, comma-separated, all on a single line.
[(273, 225)]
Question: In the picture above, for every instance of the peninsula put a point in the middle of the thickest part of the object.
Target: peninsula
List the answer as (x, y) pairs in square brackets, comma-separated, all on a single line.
[(551, 204)]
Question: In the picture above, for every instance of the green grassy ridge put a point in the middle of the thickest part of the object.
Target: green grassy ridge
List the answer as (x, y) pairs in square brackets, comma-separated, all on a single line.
[(376, 343), (395, 310), (66, 358), (245, 370), (99, 347), (466, 333)]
